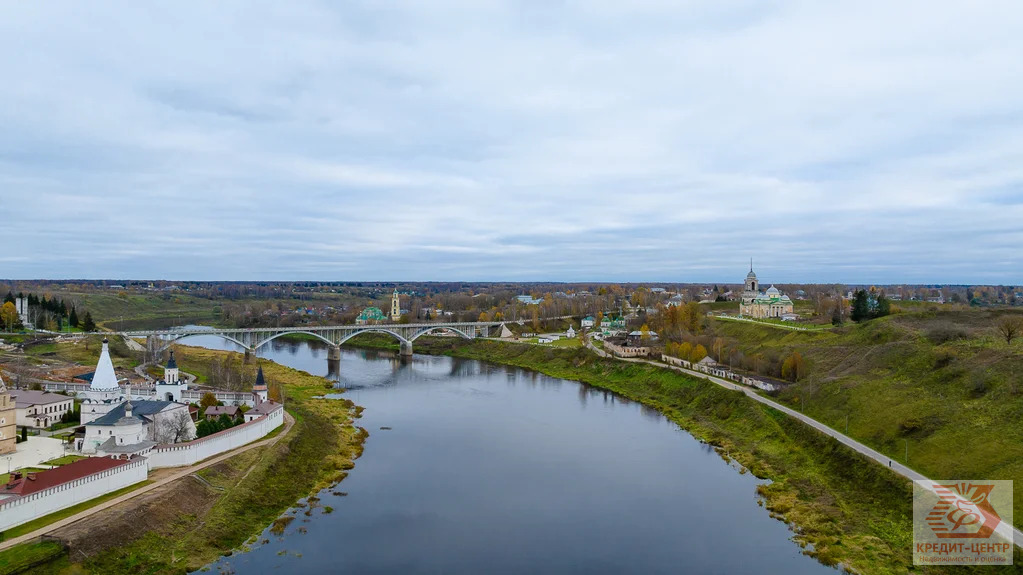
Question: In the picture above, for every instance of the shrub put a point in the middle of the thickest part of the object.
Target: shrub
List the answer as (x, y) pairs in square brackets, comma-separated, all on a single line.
[(945, 332)]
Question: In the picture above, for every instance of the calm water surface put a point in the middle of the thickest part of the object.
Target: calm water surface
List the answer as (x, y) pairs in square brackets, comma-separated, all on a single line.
[(488, 469)]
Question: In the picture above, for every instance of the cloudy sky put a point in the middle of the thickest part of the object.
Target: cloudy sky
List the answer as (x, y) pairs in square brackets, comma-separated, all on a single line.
[(537, 140)]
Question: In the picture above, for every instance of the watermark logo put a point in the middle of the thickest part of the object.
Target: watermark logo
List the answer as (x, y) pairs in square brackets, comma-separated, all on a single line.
[(962, 522)]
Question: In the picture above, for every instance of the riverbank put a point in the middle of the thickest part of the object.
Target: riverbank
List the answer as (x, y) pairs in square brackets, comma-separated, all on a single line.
[(843, 508), (220, 509)]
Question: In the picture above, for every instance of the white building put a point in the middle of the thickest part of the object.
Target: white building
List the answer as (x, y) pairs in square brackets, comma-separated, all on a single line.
[(135, 427), (103, 394), (171, 388), (570, 333), (40, 409), (261, 409), (588, 321)]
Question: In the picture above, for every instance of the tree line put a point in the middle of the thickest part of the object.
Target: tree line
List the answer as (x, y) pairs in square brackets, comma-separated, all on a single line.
[(869, 305), (51, 313)]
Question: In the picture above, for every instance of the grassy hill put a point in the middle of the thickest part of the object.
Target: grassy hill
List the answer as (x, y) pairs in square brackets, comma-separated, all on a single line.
[(942, 382), (119, 311)]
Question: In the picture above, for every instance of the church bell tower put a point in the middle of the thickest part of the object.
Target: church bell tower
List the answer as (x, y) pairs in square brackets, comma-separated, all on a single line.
[(395, 306)]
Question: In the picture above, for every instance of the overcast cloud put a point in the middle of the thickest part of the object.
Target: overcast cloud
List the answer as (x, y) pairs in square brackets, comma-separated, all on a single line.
[(540, 140)]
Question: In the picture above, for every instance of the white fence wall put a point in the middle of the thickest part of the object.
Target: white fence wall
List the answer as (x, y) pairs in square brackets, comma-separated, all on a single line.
[(19, 510), (180, 454)]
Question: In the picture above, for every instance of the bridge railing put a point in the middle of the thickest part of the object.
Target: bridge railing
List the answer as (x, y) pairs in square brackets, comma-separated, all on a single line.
[(312, 328)]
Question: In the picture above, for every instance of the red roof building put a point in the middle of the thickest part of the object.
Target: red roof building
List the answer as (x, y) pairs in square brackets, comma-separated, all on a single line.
[(22, 484)]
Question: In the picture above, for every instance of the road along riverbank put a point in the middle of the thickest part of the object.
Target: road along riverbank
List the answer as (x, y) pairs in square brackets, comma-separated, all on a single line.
[(842, 506)]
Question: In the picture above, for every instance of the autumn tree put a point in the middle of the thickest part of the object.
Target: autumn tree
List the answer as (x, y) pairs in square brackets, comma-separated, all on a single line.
[(275, 392), (208, 400), (692, 318), (1009, 328), (719, 349), (699, 352), (685, 351), (9, 316), (793, 367)]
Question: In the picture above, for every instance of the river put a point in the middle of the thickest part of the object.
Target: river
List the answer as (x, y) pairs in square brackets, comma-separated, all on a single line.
[(478, 468)]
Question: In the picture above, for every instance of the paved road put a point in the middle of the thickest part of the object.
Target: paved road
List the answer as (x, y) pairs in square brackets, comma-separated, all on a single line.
[(177, 473), (1003, 529)]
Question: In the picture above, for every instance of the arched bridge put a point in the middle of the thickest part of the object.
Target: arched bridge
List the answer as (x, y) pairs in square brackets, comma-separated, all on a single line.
[(253, 338)]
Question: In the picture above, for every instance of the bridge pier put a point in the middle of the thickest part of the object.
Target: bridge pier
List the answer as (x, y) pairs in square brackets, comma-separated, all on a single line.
[(248, 356), (406, 348), (153, 348), (334, 362)]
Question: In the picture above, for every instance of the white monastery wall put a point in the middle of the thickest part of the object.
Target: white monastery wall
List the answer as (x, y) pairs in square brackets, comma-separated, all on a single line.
[(19, 510), (179, 454)]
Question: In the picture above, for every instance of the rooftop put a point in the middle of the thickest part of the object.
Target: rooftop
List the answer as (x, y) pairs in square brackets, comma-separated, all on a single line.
[(32, 482), (140, 408), (260, 384), (111, 446), (264, 408), (104, 379), (221, 410), (28, 398)]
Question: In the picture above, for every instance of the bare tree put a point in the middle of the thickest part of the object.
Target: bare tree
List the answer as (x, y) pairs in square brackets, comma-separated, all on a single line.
[(176, 428), (1009, 327)]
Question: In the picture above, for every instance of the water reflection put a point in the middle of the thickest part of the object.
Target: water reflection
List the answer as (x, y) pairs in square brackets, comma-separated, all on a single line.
[(489, 469)]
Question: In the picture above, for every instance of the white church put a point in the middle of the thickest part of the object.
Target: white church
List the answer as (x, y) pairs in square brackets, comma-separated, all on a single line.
[(118, 424)]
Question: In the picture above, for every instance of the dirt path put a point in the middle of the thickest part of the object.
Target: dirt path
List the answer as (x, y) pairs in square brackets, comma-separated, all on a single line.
[(162, 478)]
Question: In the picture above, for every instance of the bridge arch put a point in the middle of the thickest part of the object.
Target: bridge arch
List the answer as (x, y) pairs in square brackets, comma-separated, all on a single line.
[(376, 330), (176, 338), (282, 334), (435, 328)]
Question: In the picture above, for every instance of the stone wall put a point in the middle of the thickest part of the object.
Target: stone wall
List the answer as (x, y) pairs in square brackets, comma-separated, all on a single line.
[(626, 351), (20, 510), (180, 454)]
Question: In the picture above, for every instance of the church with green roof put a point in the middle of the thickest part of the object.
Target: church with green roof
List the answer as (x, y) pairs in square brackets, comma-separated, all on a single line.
[(769, 304), (370, 315)]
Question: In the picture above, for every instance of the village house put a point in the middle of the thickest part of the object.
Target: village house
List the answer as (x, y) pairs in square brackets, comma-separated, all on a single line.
[(215, 411), (262, 408)]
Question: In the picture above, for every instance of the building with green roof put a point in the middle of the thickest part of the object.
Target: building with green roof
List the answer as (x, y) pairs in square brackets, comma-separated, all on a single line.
[(370, 315)]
